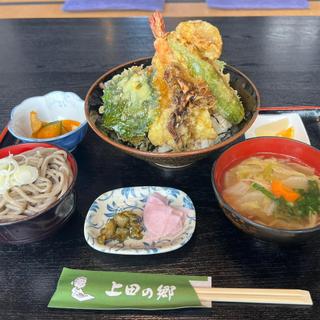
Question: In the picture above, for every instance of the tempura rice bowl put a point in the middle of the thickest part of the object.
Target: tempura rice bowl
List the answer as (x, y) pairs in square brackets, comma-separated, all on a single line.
[(246, 89)]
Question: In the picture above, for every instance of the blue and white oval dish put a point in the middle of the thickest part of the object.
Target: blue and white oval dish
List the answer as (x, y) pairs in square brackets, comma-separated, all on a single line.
[(54, 106), (134, 199)]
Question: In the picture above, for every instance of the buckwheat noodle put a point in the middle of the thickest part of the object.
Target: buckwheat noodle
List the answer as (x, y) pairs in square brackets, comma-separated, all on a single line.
[(55, 176)]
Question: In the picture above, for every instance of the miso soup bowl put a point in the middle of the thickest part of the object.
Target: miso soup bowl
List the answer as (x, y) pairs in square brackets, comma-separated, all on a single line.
[(266, 146), (44, 223)]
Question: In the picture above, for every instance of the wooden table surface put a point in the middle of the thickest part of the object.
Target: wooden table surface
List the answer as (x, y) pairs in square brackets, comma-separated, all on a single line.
[(281, 55)]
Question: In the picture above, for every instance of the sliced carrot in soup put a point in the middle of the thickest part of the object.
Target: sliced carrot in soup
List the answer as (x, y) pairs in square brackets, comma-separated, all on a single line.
[(280, 190)]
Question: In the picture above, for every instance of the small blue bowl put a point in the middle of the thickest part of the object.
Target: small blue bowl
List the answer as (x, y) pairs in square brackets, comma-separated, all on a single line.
[(56, 105)]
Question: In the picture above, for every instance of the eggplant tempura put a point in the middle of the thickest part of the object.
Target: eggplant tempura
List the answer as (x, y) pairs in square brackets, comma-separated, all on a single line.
[(183, 101)]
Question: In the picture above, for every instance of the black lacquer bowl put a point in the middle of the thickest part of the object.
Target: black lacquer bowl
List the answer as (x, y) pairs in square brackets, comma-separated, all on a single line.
[(269, 147), (246, 89), (47, 222)]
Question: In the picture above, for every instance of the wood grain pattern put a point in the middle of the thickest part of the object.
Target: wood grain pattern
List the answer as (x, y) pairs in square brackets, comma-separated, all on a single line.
[(31, 11), (280, 55)]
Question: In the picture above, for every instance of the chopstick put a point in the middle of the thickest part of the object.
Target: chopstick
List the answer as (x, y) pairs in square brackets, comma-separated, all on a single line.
[(290, 108), (3, 133), (278, 296)]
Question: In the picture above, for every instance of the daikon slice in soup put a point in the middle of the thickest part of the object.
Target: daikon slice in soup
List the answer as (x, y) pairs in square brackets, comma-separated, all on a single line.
[(276, 192)]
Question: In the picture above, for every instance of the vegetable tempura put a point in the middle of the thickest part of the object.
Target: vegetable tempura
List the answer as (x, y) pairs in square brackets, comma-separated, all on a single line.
[(183, 101)]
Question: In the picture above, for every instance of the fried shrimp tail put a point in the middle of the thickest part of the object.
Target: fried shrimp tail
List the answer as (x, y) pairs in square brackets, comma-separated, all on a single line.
[(163, 57), (157, 25), (158, 29)]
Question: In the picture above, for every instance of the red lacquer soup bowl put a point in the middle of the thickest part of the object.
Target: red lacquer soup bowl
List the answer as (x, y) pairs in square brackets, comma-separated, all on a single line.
[(264, 146), (44, 223)]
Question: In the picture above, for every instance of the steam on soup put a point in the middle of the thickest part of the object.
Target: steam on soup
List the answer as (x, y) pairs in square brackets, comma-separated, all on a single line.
[(275, 192)]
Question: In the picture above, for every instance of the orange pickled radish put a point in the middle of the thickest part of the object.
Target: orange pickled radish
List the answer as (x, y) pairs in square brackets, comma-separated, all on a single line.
[(70, 125), (50, 130), (287, 133), (280, 190)]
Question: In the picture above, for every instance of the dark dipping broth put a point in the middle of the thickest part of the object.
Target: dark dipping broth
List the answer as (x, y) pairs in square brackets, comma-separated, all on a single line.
[(276, 192)]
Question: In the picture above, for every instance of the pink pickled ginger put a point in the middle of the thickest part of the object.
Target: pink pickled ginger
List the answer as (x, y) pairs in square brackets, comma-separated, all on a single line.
[(160, 219)]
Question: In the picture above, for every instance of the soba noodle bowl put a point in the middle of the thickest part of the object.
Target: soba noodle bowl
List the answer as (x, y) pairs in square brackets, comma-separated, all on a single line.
[(52, 176), (279, 193)]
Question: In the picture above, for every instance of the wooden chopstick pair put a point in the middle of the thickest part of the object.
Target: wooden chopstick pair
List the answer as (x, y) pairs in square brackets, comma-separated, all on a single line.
[(245, 295)]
